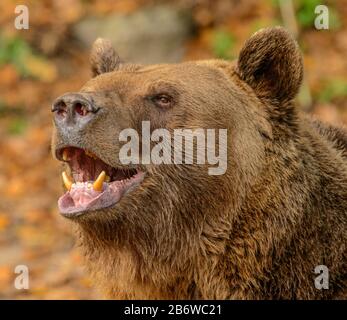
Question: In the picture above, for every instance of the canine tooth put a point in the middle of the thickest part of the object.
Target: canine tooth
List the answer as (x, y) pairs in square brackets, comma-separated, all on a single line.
[(65, 155), (97, 185), (67, 180)]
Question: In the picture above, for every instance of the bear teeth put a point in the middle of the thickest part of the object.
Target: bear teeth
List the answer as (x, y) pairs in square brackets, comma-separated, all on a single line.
[(97, 185), (68, 182)]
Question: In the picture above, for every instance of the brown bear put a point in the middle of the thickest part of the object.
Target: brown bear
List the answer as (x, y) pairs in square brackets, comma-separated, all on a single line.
[(272, 226)]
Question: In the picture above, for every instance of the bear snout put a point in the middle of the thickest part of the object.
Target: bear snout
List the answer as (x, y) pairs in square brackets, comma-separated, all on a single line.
[(74, 111)]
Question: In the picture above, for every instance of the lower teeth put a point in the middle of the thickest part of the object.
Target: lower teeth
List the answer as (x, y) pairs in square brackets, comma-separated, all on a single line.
[(97, 185)]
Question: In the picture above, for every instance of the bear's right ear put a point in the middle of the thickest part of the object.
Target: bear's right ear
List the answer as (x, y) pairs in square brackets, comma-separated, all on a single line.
[(271, 63), (103, 57)]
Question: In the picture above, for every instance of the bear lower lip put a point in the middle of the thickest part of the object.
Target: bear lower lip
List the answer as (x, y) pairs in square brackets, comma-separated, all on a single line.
[(82, 198)]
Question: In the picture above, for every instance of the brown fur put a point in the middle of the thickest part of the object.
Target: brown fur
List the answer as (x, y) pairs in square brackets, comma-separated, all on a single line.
[(256, 232)]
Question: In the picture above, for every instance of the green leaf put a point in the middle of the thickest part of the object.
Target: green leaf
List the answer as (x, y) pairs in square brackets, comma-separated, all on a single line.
[(333, 89), (17, 126)]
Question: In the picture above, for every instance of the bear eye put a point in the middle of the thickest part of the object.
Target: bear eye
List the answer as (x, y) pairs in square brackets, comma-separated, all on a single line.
[(162, 100)]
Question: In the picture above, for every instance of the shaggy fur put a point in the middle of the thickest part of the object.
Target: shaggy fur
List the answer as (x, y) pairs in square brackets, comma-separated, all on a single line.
[(256, 232)]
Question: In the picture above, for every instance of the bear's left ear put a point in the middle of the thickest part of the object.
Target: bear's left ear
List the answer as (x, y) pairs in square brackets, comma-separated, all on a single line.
[(271, 63), (103, 57)]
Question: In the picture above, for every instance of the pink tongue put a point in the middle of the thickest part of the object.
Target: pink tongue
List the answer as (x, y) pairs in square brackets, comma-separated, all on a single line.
[(81, 194)]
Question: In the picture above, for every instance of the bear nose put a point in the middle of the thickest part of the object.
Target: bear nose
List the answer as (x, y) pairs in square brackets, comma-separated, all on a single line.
[(74, 109)]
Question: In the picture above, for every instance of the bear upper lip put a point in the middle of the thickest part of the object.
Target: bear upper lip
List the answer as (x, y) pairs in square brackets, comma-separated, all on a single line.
[(92, 184)]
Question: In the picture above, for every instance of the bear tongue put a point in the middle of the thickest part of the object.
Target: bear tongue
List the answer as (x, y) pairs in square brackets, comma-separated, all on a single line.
[(82, 193)]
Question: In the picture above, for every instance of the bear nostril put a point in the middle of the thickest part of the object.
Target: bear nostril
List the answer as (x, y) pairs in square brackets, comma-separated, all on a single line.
[(72, 106), (60, 108), (81, 109)]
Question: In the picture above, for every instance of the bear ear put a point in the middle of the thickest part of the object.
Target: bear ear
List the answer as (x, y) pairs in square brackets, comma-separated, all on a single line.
[(271, 63), (103, 57)]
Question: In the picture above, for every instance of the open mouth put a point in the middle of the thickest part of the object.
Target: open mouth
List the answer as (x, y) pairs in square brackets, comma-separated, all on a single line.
[(93, 184)]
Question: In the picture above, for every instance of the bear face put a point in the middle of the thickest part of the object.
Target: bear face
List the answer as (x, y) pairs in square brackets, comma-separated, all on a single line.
[(173, 230), (188, 96)]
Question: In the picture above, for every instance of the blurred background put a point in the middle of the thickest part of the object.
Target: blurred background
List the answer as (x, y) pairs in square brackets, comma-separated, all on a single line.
[(51, 57)]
